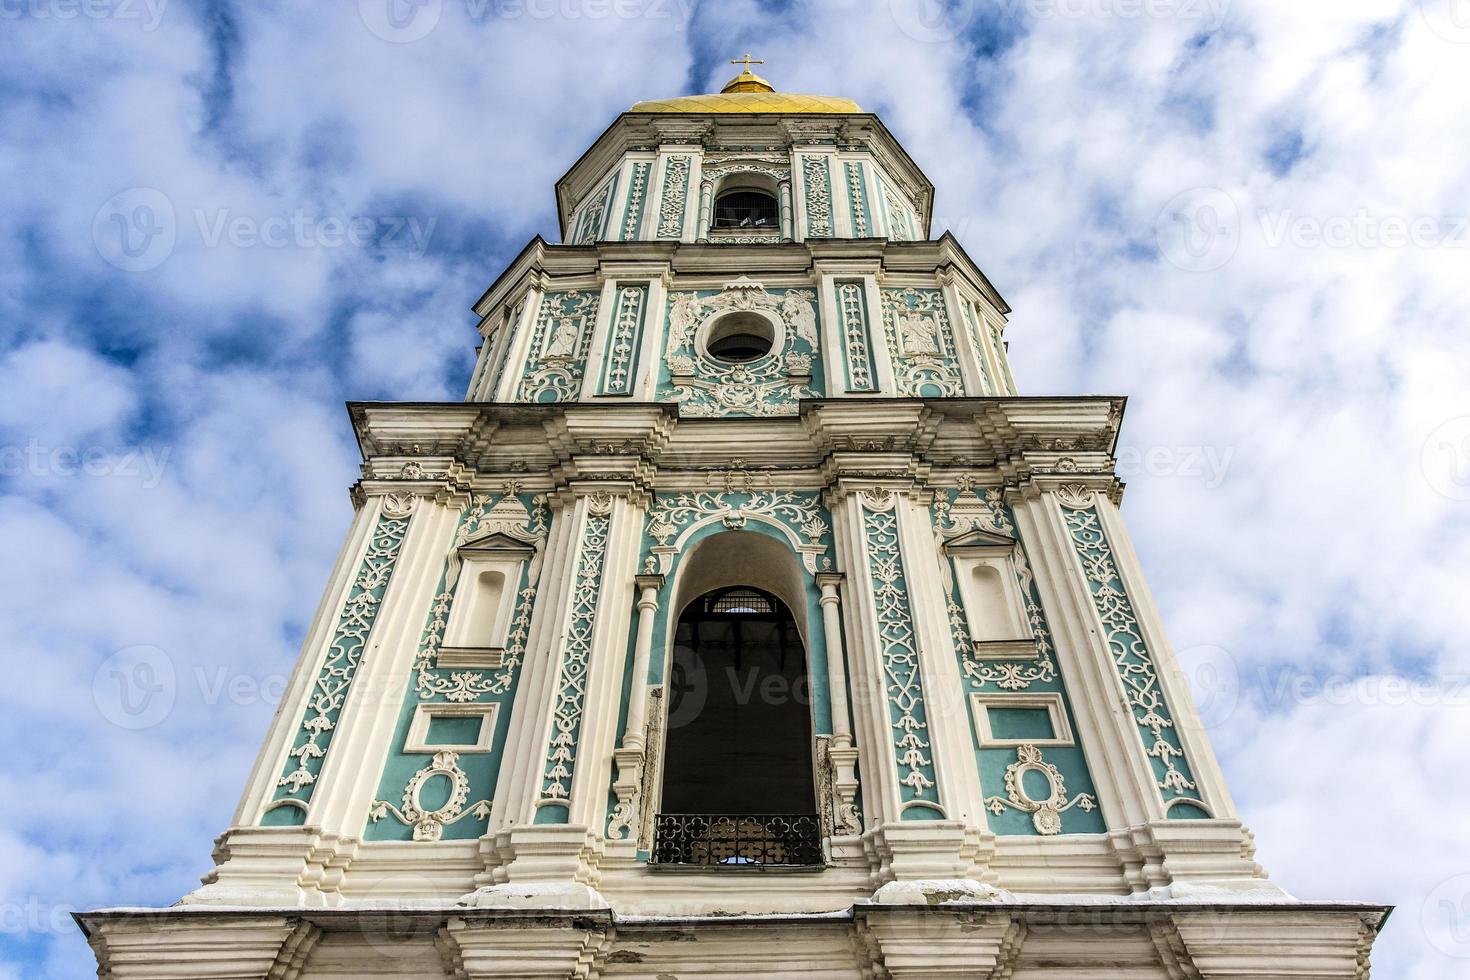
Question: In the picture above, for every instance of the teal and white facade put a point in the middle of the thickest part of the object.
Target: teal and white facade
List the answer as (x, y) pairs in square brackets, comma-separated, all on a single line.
[(1009, 778)]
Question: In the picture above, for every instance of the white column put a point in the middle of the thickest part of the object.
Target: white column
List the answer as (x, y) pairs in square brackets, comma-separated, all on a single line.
[(836, 671), (706, 210), (788, 231), (648, 586)]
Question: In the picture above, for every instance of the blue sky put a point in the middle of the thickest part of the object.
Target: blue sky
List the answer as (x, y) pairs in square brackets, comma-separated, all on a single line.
[(1248, 216)]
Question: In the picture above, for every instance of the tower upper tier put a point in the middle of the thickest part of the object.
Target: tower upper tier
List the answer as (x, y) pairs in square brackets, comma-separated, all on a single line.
[(738, 254), (747, 165)]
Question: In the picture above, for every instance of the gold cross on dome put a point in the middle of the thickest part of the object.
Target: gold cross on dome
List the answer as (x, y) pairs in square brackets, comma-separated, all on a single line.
[(747, 62)]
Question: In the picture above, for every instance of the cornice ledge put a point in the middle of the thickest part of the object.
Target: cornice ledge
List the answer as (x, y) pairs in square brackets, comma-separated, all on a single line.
[(640, 430), (870, 425)]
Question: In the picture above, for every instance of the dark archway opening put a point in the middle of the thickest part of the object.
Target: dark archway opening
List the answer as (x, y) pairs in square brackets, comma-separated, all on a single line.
[(747, 209), (738, 781)]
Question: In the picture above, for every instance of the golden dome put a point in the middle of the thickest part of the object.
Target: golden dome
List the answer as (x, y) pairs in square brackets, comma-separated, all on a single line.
[(749, 102), (747, 81), (748, 92)]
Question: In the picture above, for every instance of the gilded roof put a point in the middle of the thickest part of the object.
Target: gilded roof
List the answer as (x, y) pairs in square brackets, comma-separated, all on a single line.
[(749, 102)]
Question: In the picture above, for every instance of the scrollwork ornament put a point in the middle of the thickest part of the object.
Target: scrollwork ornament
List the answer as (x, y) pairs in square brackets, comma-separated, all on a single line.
[(399, 505), (1129, 651), (770, 385), (1046, 814), (1075, 495), (344, 655), (898, 645), (920, 343), (428, 824), (801, 514)]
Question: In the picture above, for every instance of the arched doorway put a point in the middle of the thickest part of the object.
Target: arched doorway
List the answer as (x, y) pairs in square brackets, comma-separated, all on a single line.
[(738, 782)]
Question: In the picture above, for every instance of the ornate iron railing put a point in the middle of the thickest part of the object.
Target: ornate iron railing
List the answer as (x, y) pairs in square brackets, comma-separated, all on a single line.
[(724, 840)]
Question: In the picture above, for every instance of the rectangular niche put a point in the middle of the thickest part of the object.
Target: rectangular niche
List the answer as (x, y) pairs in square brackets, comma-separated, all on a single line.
[(994, 606), (461, 728), (1005, 721), (481, 610)]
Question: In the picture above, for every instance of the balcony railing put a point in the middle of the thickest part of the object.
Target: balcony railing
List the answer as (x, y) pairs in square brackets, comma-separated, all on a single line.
[(722, 840)]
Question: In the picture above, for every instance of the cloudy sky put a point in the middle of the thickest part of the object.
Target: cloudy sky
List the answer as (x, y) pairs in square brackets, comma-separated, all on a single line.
[(1249, 216)]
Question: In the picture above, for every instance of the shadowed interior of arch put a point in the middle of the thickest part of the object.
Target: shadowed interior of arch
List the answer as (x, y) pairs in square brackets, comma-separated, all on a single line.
[(739, 722)]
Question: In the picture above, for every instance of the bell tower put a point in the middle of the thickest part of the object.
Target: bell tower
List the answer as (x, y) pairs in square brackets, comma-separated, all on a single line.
[(743, 619)]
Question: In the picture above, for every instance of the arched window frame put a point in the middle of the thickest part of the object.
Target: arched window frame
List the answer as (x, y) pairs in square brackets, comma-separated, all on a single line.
[(744, 180)]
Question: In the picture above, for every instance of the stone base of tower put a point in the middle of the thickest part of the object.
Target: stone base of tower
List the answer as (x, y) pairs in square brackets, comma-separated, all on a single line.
[(1005, 938)]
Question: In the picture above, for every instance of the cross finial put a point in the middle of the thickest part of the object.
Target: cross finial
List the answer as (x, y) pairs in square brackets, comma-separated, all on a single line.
[(747, 62)]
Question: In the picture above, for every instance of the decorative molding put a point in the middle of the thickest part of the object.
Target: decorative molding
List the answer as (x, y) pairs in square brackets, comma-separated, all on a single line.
[(769, 385), (637, 191), (852, 314), (559, 339), (571, 694), (978, 339), (920, 342), (593, 218), (898, 647), (652, 766), (1130, 654), (838, 797), (1046, 813), (898, 213), (417, 741), (428, 824), (1049, 701), (857, 193), (714, 168), (344, 656), (624, 339), (800, 516), (817, 181), (676, 190)]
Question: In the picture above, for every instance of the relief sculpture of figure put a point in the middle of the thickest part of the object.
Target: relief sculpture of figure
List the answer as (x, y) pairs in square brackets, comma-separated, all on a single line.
[(682, 317), (799, 313), (563, 342), (916, 334)]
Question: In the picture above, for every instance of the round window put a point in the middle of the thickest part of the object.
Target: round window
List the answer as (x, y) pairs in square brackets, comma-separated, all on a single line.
[(736, 338)]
